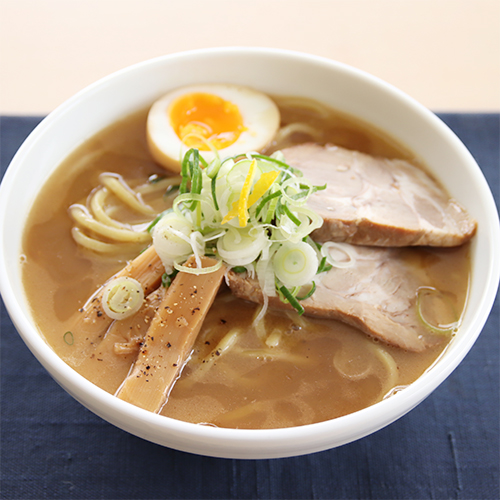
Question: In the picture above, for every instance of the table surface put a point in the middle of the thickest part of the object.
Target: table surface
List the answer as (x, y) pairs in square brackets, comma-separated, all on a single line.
[(444, 53)]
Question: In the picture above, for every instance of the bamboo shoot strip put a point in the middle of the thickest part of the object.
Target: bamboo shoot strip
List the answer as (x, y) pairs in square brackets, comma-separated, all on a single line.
[(91, 323), (123, 339), (171, 336)]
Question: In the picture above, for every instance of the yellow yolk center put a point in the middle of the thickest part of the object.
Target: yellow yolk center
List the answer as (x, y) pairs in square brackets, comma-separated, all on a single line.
[(200, 118)]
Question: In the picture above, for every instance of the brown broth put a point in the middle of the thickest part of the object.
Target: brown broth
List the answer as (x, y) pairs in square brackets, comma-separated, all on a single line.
[(295, 385)]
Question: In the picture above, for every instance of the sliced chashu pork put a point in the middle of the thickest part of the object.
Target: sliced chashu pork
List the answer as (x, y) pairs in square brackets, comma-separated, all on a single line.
[(378, 201), (378, 295)]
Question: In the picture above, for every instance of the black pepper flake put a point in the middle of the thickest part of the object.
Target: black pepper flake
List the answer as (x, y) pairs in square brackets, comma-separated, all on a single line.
[(217, 353), (152, 338), (175, 364), (207, 342), (81, 309), (195, 309), (223, 321), (169, 344), (99, 359), (148, 367), (99, 314)]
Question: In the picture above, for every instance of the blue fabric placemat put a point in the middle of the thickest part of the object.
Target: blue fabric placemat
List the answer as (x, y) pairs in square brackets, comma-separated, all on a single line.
[(446, 448)]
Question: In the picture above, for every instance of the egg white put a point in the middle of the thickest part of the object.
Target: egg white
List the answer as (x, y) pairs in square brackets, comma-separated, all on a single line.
[(261, 119)]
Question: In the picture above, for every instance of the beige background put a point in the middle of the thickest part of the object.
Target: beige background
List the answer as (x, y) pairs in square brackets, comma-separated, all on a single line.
[(444, 53)]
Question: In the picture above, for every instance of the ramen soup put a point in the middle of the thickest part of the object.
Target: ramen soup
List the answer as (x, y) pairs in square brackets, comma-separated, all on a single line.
[(281, 370)]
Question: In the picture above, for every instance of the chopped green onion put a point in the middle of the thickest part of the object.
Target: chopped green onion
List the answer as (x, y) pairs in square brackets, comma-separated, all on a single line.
[(192, 160), (436, 295), (185, 173), (191, 170), (290, 215), (122, 297), (314, 188), (278, 210), (309, 293), (252, 209), (239, 269), (323, 266), (266, 200), (196, 270), (203, 161), (171, 235), (344, 249), (295, 264), (171, 189), (306, 192), (240, 248), (272, 160), (156, 220), (214, 195), (271, 211), (213, 168), (154, 178), (292, 300), (166, 279), (315, 243), (69, 338)]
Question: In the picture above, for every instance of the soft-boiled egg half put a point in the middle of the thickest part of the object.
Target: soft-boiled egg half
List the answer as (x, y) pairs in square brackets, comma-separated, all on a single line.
[(232, 119)]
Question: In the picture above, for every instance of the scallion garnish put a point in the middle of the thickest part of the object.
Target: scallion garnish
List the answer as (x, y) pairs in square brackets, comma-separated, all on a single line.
[(122, 297), (239, 269), (309, 293), (156, 220), (433, 297), (154, 178), (323, 266), (290, 215), (183, 188), (292, 300), (171, 189), (68, 338), (250, 211), (166, 279), (266, 200)]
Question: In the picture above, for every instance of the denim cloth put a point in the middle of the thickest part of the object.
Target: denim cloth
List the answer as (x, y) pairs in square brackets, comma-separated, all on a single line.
[(446, 448)]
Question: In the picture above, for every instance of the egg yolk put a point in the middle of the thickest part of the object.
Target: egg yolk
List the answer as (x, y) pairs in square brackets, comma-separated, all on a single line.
[(201, 118)]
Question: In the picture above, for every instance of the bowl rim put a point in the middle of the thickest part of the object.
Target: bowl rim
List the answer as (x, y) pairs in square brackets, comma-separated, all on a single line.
[(312, 435)]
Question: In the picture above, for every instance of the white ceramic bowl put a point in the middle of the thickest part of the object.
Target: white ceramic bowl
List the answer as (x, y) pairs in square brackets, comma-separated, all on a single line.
[(276, 72)]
